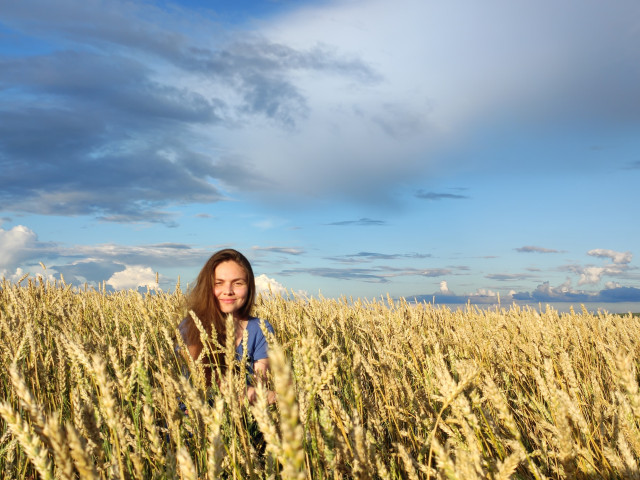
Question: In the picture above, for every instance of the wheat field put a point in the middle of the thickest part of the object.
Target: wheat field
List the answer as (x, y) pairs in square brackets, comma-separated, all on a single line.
[(92, 387)]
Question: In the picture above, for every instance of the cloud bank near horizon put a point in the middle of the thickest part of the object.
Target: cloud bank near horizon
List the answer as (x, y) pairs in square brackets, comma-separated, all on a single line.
[(543, 293), (125, 267)]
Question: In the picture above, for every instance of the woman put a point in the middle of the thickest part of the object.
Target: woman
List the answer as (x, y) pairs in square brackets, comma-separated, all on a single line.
[(226, 285)]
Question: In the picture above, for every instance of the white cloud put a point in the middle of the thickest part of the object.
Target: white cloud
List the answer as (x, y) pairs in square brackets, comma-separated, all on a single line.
[(12, 277), (47, 275), (616, 257), (267, 285), (565, 287), (561, 290), (16, 245), (485, 292), (591, 275), (132, 277), (444, 288)]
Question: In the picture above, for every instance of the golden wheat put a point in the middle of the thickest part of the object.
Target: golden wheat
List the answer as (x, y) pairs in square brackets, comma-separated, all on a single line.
[(93, 384)]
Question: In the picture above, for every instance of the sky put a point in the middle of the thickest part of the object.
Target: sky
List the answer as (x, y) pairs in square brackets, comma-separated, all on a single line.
[(461, 151)]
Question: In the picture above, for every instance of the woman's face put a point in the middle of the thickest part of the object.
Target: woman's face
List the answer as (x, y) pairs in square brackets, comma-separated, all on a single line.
[(230, 286)]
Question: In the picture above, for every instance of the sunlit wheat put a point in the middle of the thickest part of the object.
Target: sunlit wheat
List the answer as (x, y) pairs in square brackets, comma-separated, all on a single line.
[(93, 383)]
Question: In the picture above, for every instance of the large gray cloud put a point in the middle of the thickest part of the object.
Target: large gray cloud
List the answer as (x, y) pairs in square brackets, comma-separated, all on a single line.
[(112, 116), (125, 109)]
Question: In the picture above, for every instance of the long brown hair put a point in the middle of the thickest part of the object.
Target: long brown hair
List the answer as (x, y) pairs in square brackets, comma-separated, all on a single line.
[(204, 304)]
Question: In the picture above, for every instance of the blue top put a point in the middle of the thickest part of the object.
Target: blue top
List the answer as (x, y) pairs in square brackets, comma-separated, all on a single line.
[(256, 342)]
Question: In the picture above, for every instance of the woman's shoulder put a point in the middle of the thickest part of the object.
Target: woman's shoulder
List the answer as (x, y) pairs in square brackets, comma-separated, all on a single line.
[(255, 322), (183, 325)]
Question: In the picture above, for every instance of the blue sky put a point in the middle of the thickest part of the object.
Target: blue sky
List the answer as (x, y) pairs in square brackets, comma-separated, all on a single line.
[(461, 150)]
